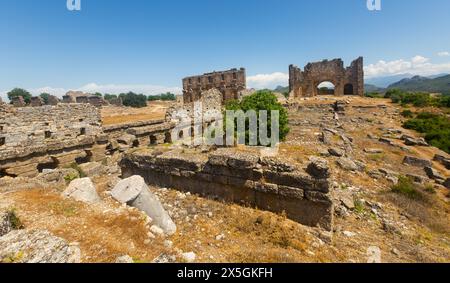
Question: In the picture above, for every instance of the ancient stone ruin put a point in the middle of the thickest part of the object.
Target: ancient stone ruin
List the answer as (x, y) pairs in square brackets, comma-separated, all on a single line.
[(243, 178), (81, 97), (36, 138), (347, 81), (37, 101), (18, 101), (230, 83)]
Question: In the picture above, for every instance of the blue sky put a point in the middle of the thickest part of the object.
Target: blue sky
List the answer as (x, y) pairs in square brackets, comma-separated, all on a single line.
[(150, 45)]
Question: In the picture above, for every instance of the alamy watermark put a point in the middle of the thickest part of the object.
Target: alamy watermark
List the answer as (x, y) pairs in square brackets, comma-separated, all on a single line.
[(74, 5), (211, 127), (374, 5)]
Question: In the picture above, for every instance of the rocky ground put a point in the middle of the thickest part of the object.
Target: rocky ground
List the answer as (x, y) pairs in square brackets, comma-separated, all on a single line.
[(368, 153)]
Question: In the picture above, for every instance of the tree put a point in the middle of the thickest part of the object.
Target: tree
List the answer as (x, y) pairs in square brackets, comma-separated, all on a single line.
[(45, 97), (168, 96), (132, 99), (110, 97), (164, 97), (262, 100), (20, 92), (98, 94)]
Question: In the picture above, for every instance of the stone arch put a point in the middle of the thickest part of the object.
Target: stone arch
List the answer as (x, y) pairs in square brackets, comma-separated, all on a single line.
[(304, 83), (328, 85)]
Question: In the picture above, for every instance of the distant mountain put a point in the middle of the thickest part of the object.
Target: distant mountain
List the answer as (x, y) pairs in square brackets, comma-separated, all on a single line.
[(417, 83), (373, 88), (281, 89), (437, 76), (386, 81)]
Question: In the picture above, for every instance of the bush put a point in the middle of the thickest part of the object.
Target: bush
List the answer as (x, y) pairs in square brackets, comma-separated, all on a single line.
[(435, 127), (16, 224), (407, 188), (80, 171), (109, 97), (19, 92), (261, 100), (374, 95), (45, 97), (418, 99), (164, 97), (132, 99), (444, 101), (407, 113), (393, 93)]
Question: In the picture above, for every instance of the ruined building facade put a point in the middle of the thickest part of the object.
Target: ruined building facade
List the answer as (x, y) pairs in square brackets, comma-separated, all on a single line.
[(347, 81), (230, 83)]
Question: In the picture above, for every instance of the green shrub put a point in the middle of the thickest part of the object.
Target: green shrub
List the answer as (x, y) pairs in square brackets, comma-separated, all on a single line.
[(444, 101), (418, 99), (80, 171), (16, 224), (407, 113), (393, 93), (373, 95), (435, 127), (164, 97), (261, 100), (132, 99), (407, 188), (71, 176), (20, 92), (110, 97)]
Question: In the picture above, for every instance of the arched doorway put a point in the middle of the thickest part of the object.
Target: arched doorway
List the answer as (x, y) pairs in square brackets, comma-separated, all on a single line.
[(326, 88), (348, 89)]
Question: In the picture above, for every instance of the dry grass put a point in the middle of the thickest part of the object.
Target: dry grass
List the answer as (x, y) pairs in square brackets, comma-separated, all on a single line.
[(428, 210), (112, 115), (103, 234)]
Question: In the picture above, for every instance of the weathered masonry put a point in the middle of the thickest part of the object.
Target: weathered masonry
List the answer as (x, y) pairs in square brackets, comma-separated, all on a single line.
[(36, 138), (347, 81), (33, 139), (242, 178), (230, 83)]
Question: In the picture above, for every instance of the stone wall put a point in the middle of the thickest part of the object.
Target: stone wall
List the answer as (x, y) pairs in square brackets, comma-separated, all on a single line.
[(209, 103), (349, 81), (37, 138), (243, 178), (230, 83)]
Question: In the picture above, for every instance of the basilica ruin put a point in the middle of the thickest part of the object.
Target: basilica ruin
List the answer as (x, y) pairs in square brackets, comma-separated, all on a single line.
[(230, 83), (347, 81)]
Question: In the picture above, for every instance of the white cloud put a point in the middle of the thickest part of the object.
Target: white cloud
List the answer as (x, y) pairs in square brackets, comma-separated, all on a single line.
[(443, 54), (268, 80), (417, 65), (417, 60)]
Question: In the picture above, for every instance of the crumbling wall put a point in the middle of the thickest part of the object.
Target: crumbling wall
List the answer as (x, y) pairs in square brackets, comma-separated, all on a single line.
[(36, 138), (347, 81), (230, 83), (209, 102), (242, 178), (140, 133)]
